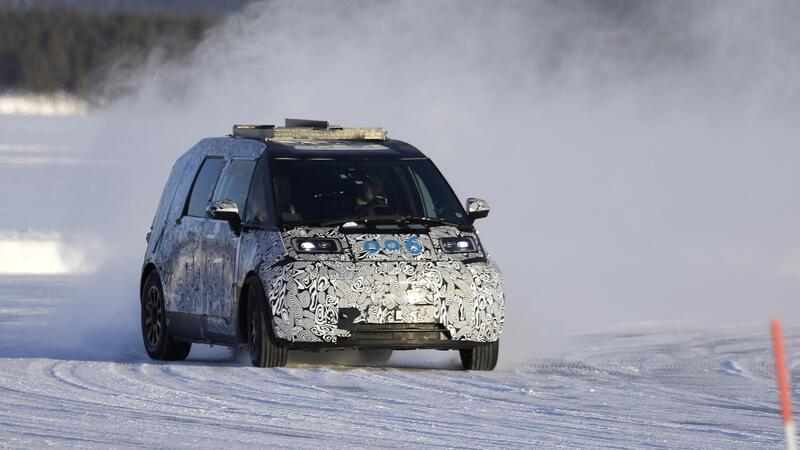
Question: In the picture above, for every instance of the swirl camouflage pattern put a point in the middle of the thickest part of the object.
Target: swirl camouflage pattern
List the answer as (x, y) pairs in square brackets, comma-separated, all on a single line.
[(306, 295)]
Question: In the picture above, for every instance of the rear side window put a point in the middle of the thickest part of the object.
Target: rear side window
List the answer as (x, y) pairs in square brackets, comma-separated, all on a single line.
[(234, 182), (203, 184)]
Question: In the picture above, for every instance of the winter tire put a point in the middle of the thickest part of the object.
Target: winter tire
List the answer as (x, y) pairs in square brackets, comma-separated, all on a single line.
[(265, 351), (158, 341), (481, 357)]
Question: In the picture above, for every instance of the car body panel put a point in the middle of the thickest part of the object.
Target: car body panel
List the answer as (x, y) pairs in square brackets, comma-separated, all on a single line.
[(176, 247)]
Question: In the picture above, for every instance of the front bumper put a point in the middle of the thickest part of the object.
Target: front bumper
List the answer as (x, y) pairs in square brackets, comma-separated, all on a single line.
[(387, 304), (396, 336)]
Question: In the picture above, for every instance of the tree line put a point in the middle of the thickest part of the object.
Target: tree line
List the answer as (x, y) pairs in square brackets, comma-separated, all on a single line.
[(65, 50)]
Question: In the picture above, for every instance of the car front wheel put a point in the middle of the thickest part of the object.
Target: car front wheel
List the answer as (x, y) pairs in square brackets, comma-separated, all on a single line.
[(480, 357), (265, 350)]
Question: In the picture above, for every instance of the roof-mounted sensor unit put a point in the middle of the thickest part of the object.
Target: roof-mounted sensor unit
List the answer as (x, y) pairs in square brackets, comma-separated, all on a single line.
[(305, 123), (253, 131), (309, 129)]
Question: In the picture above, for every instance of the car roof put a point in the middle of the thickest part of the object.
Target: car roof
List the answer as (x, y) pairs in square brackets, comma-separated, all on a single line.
[(341, 149)]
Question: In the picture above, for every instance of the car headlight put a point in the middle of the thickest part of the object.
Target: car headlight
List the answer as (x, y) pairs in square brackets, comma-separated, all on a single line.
[(464, 244), (316, 245)]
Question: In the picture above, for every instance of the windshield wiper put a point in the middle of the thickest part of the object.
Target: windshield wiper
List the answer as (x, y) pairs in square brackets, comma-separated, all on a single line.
[(302, 223), (324, 222), (407, 219), (429, 221), (367, 220)]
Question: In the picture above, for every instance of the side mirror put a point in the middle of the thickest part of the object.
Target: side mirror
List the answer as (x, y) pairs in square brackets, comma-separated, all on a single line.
[(477, 208), (226, 210)]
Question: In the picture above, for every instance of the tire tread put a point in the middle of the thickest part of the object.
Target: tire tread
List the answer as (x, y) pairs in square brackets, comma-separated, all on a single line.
[(481, 357), (270, 353), (170, 349)]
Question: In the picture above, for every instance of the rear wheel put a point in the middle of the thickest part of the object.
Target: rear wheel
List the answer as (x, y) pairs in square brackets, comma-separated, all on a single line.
[(158, 341), (265, 350), (481, 357)]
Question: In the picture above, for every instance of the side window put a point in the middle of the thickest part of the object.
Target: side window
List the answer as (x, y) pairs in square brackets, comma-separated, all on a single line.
[(234, 182), (427, 199), (203, 184), (257, 211), (433, 188)]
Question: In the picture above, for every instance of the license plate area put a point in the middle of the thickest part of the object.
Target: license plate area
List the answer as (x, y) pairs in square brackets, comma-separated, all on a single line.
[(418, 332), (401, 314)]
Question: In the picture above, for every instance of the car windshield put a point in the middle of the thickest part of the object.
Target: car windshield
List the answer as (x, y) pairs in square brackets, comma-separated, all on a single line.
[(308, 191)]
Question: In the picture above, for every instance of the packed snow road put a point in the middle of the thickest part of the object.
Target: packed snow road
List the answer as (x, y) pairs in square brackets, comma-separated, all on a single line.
[(653, 389)]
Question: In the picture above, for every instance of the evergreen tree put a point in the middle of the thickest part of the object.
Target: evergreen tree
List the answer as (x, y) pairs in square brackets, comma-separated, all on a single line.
[(51, 50)]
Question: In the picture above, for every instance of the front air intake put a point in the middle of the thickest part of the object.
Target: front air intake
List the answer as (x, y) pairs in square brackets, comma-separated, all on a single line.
[(398, 332)]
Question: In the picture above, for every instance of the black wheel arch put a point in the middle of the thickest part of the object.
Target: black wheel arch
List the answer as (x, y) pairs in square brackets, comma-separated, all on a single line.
[(146, 271), (241, 320)]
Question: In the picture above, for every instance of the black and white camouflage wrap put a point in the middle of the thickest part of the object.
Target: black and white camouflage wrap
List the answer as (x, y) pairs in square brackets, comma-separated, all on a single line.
[(204, 265), (386, 287)]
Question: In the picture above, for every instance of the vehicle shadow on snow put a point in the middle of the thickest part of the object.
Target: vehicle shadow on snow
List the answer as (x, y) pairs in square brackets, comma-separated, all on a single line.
[(125, 351), (333, 359), (347, 358)]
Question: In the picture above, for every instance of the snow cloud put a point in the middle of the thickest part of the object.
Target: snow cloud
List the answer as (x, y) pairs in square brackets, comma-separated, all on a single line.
[(641, 158)]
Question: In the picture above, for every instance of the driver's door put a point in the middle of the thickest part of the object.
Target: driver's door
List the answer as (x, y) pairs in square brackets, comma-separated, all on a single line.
[(220, 248)]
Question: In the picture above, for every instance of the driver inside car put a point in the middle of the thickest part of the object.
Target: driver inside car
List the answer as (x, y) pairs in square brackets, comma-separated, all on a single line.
[(371, 200)]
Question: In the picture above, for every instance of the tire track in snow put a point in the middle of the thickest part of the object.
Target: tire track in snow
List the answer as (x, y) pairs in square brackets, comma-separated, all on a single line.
[(661, 389)]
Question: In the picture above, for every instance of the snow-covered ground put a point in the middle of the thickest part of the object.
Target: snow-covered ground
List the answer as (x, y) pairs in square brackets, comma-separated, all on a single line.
[(650, 387)]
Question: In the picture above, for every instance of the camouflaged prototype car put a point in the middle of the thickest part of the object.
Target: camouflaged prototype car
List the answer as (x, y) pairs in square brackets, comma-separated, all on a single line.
[(316, 236)]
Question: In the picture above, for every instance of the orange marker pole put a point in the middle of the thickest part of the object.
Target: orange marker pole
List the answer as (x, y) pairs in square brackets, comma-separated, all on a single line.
[(783, 385)]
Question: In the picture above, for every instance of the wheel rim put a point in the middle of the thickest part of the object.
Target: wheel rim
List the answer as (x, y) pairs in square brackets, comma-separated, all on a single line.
[(153, 317)]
